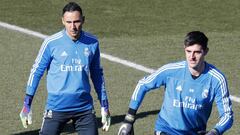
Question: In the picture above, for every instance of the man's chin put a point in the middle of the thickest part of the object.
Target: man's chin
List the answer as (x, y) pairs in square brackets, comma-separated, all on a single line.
[(75, 36), (191, 65)]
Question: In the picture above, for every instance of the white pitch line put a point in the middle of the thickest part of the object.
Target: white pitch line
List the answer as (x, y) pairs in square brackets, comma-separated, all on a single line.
[(126, 63), (103, 55), (23, 30)]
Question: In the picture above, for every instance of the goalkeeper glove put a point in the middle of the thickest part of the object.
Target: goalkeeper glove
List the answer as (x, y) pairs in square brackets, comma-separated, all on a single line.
[(211, 132), (106, 119), (26, 113), (127, 126)]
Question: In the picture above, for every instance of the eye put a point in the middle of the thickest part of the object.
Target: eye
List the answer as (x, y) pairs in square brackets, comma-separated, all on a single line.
[(68, 22), (188, 51), (78, 21), (198, 52)]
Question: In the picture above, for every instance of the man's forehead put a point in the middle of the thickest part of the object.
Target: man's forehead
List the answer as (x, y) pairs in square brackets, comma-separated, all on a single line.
[(75, 14), (194, 47)]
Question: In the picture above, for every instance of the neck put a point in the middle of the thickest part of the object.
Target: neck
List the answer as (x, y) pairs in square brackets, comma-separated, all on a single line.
[(74, 38), (197, 70)]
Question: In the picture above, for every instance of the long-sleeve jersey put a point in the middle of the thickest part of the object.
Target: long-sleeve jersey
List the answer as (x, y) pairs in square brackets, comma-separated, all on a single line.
[(70, 65), (187, 102)]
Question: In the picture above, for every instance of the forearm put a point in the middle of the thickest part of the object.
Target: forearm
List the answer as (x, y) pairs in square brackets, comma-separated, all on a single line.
[(101, 93), (137, 96), (99, 85), (32, 84), (225, 123)]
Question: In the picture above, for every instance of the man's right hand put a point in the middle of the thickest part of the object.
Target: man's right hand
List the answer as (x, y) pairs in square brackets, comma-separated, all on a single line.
[(126, 129), (26, 113), (127, 126), (26, 117), (211, 132)]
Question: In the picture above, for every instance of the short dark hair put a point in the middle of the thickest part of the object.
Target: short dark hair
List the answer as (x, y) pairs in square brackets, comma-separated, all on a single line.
[(196, 37), (72, 6)]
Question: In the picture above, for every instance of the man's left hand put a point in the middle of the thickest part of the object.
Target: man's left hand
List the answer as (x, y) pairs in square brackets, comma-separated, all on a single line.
[(212, 132), (106, 119)]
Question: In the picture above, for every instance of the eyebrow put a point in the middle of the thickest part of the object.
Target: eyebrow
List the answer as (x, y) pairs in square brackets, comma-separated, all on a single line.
[(199, 51), (76, 21)]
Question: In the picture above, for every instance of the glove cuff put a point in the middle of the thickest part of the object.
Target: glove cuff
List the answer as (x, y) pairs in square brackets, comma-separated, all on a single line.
[(104, 104), (215, 131), (28, 100), (104, 111), (129, 119), (130, 116)]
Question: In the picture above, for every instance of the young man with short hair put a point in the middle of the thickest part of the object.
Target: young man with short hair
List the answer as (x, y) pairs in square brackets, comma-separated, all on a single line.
[(191, 87), (71, 57)]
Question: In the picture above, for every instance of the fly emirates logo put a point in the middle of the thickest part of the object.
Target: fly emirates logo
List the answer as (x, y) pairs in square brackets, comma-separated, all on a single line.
[(76, 66), (188, 102)]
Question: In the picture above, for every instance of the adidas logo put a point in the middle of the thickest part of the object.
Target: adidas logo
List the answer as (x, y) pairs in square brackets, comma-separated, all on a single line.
[(64, 54), (191, 90), (179, 88)]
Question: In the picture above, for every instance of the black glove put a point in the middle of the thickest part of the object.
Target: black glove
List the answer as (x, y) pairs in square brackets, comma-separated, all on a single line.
[(127, 126), (211, 132)]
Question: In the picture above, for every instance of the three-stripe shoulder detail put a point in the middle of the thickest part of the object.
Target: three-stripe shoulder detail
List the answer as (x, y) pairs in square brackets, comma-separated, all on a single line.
[(40, 54), (171, 66), (150, 78)]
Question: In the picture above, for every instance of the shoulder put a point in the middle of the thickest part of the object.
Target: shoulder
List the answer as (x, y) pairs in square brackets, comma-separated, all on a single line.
[(215, 72), (88, 38), (51, 40), (53, 37), (174, 66), (170, 68)]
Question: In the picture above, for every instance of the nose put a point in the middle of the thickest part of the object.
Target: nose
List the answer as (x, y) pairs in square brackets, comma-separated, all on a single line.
[(73, 25), (192, 55)]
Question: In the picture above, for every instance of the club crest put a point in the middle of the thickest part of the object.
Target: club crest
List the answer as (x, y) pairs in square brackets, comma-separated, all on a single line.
[(86, 52), (205, 93)]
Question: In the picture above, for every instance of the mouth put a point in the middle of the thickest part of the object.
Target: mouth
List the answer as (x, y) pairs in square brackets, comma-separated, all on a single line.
[(192, 62), (74, 32)]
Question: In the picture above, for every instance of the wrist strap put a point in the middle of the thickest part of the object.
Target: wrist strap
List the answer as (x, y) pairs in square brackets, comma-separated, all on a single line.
[(129, 118), (28, 100), (104, 104), (215, 131)]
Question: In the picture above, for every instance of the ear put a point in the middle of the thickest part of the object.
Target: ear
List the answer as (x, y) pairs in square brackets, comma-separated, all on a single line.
[(184, 47), (83, 19), (63, 22), (206, 51)]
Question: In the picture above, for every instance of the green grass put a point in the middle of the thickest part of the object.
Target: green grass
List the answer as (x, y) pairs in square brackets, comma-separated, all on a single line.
[(146, 32), (112, 18)]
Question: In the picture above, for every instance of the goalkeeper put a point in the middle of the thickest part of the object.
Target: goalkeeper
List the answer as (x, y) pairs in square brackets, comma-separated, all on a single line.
[(191, 87), (71, 57)]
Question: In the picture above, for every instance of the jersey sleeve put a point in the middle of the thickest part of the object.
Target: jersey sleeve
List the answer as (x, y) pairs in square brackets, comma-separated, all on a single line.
[(41, 63), (98, 80), (224, 106), (153, 81)]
